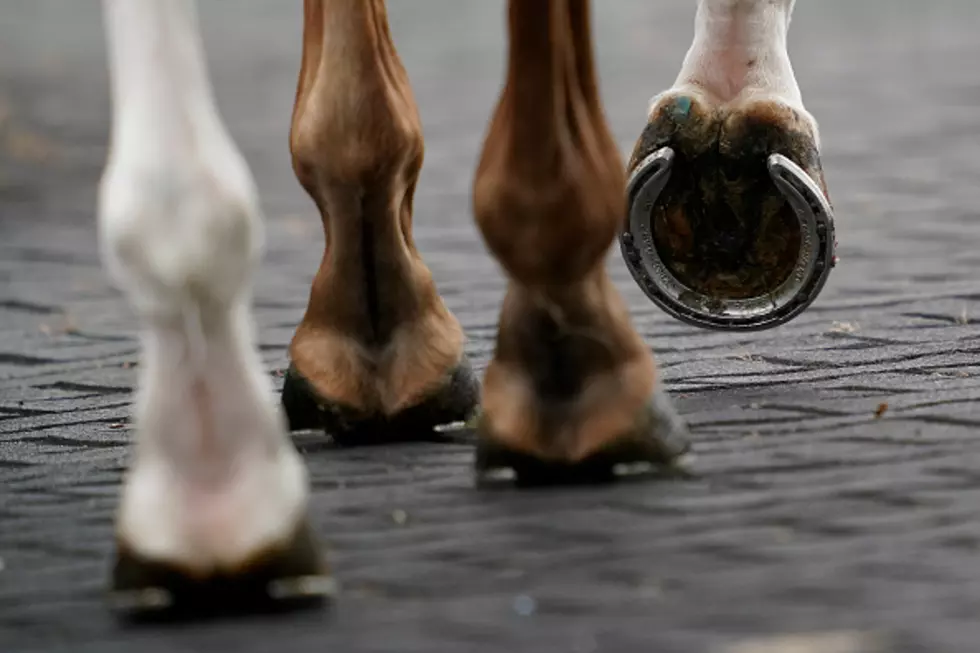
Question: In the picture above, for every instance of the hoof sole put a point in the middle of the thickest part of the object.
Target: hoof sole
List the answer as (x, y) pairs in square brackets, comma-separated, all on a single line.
[(728, 224), (455, 401), (286, 578)]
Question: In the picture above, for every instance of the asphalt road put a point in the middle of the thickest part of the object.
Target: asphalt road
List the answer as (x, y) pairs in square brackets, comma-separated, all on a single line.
[(839, 472)]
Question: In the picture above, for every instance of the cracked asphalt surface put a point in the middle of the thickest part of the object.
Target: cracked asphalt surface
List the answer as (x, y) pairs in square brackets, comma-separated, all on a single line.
[(838, 482)]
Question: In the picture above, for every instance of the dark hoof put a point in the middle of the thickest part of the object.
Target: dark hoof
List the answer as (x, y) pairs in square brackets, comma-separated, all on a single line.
[(456, 401), (286, 578), (728, 231), (656, 446)]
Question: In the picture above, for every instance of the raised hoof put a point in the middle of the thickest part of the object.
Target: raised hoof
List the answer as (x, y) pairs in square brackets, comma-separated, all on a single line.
[(729, 226), (656, 446), (456, 401), (285, 578)]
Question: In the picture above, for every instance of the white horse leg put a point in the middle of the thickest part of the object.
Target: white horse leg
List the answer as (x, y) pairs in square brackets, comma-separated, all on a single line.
[(215, 490), (739, 51), (714, 162)]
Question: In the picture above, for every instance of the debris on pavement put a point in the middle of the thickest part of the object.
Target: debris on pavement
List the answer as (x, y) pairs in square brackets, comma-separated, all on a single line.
[(525, 605), (843, 328), (832, 642)]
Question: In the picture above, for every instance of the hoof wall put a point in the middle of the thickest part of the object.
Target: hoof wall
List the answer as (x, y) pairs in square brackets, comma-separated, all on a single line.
[(455, 401), (657, 446), (278, 580)]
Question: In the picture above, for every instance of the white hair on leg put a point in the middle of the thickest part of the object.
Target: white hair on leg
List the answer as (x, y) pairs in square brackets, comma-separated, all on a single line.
[(739, 54), (214, 479)]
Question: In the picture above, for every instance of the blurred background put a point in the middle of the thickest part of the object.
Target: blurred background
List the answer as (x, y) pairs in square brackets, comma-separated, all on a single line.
[(837, 453), (893, 84)]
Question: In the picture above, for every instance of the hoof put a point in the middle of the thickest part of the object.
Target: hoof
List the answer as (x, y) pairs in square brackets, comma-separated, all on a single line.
[(728, 232), (655, 446), (456, 401), (288, 577)]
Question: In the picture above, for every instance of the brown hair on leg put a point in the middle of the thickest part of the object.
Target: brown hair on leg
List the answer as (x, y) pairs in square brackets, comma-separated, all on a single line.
[(570, 378), (377, 349)]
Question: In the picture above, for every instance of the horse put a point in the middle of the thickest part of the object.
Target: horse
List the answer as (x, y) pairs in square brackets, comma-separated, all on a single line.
[(721, 213)]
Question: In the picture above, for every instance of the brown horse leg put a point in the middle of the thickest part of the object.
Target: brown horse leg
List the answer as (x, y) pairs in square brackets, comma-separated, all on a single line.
[(571, 390), (377, 352)]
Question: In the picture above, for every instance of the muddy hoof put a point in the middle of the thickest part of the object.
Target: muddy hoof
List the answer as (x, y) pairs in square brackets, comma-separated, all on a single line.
[(455, 401), (729, 226), (656, 446), (287, 578)]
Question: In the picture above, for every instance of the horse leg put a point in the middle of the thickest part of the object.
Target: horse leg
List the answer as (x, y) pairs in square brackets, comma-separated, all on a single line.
[(214, 504), (726, 183), (377, 353), (571, 390)]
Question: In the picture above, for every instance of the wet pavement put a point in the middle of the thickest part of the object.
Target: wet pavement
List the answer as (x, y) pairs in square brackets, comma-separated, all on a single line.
[(838, 485)]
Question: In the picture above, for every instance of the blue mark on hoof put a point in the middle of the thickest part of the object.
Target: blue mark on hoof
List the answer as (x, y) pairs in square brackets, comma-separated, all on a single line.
[(681, 108)]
